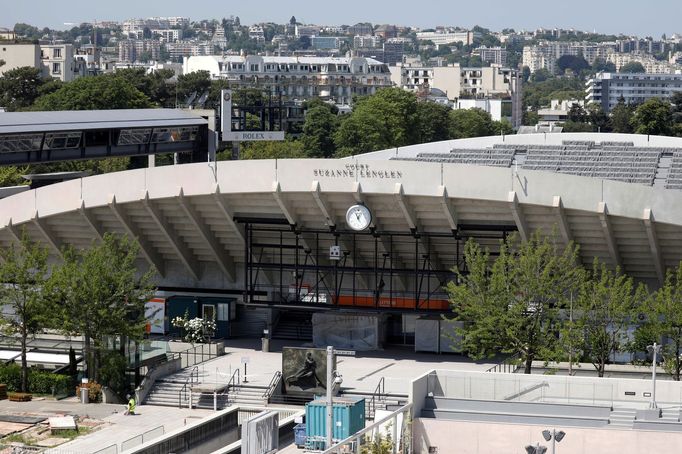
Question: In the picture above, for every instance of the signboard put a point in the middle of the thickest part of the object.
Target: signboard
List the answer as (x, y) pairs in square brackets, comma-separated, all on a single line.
[(155, 313), (344, 352), (252, 136), (304, 371), (246, 360)]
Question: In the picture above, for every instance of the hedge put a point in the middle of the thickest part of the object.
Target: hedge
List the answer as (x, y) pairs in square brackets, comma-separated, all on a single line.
[(40, 382)]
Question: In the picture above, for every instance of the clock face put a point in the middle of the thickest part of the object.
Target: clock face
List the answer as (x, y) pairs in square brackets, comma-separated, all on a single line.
[(358, 217)]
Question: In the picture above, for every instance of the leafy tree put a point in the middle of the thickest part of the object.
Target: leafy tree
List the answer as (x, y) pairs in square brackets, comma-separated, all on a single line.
[(102, 295), (287, 149), (654, 116), (572, 62), (107, 91), (541, 75), (470, 123), (605, 307), (321, 123), (24, 295), (20, 87), (632, 67), (598, 119), (575, 126), (602, 65), (664, 322), (576, 113), (155, 85), (676, 101), (513, 305), (433, 122), (381, 121), (621, 115), (195, 82)]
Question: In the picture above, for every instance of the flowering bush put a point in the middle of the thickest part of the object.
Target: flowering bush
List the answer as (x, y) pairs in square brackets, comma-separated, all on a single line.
[(196, 330)]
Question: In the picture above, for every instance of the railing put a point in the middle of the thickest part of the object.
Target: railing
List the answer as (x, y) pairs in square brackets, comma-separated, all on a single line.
[(187, 387), (234, 382), (195, 355), (400, 436), (111, 449), (377, 395), (272, 386), (507, 366), (142, 438)]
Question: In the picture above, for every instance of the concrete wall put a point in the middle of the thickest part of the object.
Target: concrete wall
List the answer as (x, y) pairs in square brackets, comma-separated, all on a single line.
[(492, 438), (18, 55)]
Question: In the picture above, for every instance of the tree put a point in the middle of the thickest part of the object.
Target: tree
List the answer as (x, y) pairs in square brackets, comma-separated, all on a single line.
[(470, 123), (24, 294), (602, 65), (288, 149), (513, 305), (195, 82), (654, 116), (621, 115), (433, 122), (604, 310), (107, 91), (632, 67), (19, 87), (102, 295), (664, 322), (598, 119), (572, 62), (576, 113), (319, 127), (384, 120)]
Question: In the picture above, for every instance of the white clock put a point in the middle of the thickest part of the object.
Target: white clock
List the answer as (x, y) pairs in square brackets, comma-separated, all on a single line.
[(358, 217)]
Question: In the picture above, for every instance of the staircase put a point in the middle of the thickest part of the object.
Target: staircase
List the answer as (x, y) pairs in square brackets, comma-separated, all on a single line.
[(390, 402), (622, 417), (166, 393), (247, 395), (294, 326), (670, 414)]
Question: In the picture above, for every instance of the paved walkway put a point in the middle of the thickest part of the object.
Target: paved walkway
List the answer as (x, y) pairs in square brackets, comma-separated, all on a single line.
[(399, 366)]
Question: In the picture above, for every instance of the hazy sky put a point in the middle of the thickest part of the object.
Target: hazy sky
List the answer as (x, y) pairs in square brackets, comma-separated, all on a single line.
[(607, 16)]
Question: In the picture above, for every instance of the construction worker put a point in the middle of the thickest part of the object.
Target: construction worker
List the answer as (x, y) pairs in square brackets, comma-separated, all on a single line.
[(130, 408)]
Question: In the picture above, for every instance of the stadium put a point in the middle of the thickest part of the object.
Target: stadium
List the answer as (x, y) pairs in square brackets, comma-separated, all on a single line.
[(270, 246)]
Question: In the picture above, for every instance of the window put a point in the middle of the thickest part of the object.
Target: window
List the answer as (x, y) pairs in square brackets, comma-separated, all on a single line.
[(134, 136), (56, 53), (56, 68), (62, 140)]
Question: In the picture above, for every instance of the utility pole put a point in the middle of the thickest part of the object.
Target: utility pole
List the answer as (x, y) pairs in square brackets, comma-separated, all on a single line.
[(655, 350)]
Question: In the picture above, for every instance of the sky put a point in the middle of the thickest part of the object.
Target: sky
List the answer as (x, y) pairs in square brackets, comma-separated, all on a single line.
[(652, 18)]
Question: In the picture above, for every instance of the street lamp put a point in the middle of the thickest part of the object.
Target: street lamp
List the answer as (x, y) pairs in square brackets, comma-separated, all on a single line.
[(555, 436), (654, 350), (537, 449)]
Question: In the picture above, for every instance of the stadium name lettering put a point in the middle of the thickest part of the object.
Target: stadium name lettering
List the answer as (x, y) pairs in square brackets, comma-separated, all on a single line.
[(358, 170)]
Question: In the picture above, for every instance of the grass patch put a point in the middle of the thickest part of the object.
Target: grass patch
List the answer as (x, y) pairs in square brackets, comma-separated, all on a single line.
[(71, 434), (18, 438)]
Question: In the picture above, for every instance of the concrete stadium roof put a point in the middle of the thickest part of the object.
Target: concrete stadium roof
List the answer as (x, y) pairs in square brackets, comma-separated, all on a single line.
[(184, 216), (80, 120)]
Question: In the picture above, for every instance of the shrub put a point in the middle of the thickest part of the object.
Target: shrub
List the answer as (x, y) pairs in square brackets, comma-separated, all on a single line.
[(42, 382), (11, 376), (94, 391)]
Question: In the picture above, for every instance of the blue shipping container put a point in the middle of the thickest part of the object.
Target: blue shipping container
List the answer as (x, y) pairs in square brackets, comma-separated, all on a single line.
[(348, 417)]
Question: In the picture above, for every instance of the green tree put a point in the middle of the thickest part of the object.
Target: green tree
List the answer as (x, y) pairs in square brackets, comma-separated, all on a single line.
[(287, 149), (606, 304), (621, 115), (20, 87), (470, 123), (573, 63), (384, 120), (155, 85), (107, 91), (23, 272), (598, 119), (654, 116), (101, 294), (319, 127), (602, 65), (513, 305), (664, 321), (195, 82), (433, 122), (632, 67)]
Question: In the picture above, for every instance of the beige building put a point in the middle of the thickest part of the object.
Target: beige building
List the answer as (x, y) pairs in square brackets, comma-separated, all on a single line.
[(18, 55), (58, 61)]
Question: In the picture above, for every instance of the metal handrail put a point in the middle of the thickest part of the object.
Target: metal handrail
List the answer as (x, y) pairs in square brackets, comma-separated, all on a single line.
[(235, 380), (188, 383), (379, 391), (273, 384), (507, 365)]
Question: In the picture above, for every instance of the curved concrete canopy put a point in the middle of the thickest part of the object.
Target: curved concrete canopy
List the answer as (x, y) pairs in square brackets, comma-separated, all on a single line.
[(183, 215)]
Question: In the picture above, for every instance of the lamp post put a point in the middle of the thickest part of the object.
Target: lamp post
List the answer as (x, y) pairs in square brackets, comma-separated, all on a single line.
[(555, 436), (654, 350)]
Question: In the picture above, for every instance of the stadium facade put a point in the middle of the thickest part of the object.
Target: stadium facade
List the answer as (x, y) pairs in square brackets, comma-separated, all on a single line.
[(265, 244)]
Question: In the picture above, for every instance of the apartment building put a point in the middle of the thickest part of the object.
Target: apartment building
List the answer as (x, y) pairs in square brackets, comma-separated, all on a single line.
[(362, 29), (493, 55), (650, 64), (131, 50), (325, 42), (545, 54), (464, 83), (367, 42), (393, 51), (606, 89), (168, 35), (257, 33), (307, 30), (18, 55), (330, 78), (181, 49), (441, 38), (58, 62)]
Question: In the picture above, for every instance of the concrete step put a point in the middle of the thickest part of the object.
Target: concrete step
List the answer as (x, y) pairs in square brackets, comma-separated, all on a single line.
[(622, 417)]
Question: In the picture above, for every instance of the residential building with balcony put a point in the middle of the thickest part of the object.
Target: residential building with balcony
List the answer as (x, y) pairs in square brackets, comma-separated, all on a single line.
[(606, 89), (493, 55), (367, 42), (650, 64), (332, 79), (447, 37), (325, 42), (131, 50), (57, 61), (545, 54), (257, 33), (181, 49)]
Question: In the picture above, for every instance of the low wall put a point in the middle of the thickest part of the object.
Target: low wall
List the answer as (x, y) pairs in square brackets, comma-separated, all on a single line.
[(160, 371)]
